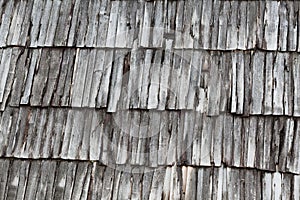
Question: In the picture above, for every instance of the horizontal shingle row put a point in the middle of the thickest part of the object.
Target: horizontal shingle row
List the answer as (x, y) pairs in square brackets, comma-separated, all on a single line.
[(36, 179), (241, 82), (152, 139), (214, 25)]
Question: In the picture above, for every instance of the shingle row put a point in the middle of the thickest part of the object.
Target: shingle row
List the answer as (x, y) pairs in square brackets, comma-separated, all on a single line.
[(151, 138), (35, 179), (218, 25), (246, 83)]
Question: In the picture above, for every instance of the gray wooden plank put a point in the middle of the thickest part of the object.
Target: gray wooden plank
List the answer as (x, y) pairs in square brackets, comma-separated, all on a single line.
[(206, 141), (33, 180), (228, 140), (67, 183), (296, 184), (63, 24), (96, 182), (163, 140), (20, 78), (15, 57), (45, 18), (72, 30), (60, 180), (89, 78), (13, 180), (58, 132), (288, 88), (257, 83), (15, 21), (204, 186), (5, 166), (34, 63), (191, 186), (67, 134), (292, 8), (51, 30), (240, 84), (283, 26), (242, 25), (121, 33), (223, 25), (145, 79), (82, 24), (252, 15), (5, 65), (206, 21), (154, 87), (251, 146), (286, 186), (215, 24), (24, 169), (6, 21), (86, 131), (259, 143), (268, 94), (164, 76), (41, 78), (267, 144), (184, 78), (271, 23), (232, 29), (112, 25), (81, 181), (296, 88), (276, 186), (237, 141), (174, 84), (92, 27), (214, 86), (116, 81), (45, 185), (103, 23), (53, 75), (79, 77), (102, 97), (278, 90), (158, 27), (108, 181), (247, 84), (173, 129)]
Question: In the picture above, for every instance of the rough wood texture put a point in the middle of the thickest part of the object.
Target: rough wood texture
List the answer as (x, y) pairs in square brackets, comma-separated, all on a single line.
[(107, 99)]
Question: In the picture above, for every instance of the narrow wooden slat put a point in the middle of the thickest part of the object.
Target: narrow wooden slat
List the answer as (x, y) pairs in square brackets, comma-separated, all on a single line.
[(92, 27), (296, 88), (232, 29), (33, 179), (251, 146), (252, 15), (157, 184), (206, 141), (5, 65), (240, 84), (188, 21), (45, 185), (79, 77), (154, 81), (145, 79), (45, 18), (63, 23), (20, 78), (89, 78), (228, 140), (53, 75), (49, 40), (184, 78), (278, 85), (205, 24), (214, 34), (15, 57), (40, 79), (68, 182), (268, 94), (82, 181), (82, 24), (242, 25), (276, 186), (292, 8), (112, 25), (223, 25), (158, 29), (103, 23), (283, 26), (116, 81), (108, 182), (271, 23), (14, 21), (5, 22), (73, 23), (35, 59), (257, 83), (13, 180)]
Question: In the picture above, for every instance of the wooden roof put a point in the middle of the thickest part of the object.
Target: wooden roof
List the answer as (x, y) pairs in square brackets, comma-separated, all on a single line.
[(165, 99)]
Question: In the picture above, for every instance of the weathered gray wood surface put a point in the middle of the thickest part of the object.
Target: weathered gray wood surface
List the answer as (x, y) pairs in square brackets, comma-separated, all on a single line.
[(85, 180), (149, 99), (213, 25)]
